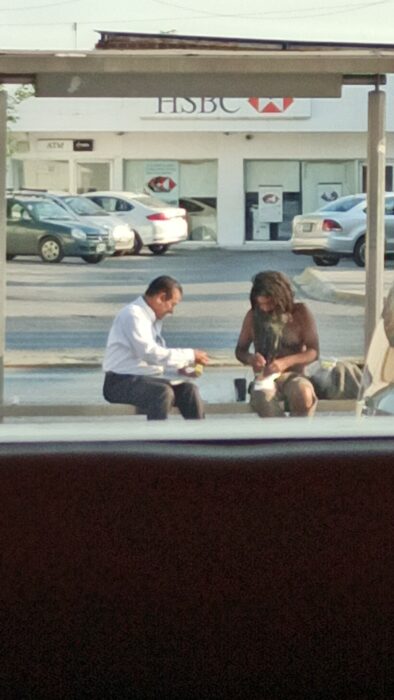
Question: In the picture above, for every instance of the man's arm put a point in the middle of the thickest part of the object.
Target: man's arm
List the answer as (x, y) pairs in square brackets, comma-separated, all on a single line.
[(255, 360)]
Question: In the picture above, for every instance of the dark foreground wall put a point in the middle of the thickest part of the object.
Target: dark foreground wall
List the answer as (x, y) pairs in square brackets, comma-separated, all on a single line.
[(198, 571)]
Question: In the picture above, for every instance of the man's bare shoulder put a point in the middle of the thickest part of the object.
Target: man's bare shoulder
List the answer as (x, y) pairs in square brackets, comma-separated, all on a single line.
[(300, 307), (301, 311)]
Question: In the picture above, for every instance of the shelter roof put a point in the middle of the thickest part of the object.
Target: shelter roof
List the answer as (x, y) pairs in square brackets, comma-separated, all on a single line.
[(154, 65)]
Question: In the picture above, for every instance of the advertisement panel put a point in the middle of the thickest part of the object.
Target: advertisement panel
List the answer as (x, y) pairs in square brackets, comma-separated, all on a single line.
[(328, 192), (270, 203), (162, 179)]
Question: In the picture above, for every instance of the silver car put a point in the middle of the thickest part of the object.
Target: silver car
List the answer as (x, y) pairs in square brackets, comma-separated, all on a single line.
[(338, 230), (124, 235)]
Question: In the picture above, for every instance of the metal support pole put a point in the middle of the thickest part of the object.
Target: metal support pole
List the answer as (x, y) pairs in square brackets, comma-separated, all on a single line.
[(3, 234), (375, 211)]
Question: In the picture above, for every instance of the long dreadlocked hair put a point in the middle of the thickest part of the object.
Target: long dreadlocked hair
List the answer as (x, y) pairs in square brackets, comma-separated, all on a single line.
[(269, 327), (276, 286)]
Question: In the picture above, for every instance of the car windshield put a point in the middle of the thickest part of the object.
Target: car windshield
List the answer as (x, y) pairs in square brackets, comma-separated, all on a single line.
[(46, 209), (343, 204), (84, 207)]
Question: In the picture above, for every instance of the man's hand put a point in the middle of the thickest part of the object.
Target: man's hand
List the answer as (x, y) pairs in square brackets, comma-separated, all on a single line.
[(278, 365), (257, 361), (201, 357)]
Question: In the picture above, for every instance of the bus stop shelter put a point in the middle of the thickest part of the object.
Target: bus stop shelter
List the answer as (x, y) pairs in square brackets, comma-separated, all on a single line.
[(131, 65)]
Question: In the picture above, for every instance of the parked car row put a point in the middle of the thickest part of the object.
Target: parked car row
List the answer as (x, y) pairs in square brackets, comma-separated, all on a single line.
[(338, 230), (91, 226)]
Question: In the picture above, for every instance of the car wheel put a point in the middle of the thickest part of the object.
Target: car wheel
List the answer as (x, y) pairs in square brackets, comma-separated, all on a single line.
[(359, 252), (51, 250), (325, 260), (137, 244), (93, 259), (10, 257), (158, 249)]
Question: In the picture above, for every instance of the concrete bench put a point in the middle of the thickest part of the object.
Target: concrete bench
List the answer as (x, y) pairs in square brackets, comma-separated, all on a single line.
[(31, 410)]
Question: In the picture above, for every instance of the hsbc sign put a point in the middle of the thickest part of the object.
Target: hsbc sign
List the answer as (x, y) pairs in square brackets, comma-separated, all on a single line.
[(232, 108), (278, 106)]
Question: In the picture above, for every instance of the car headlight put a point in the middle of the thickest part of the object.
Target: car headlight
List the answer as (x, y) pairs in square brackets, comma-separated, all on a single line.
[(78, 234)]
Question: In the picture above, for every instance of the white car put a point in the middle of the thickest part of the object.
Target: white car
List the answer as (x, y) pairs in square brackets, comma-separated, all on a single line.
[(157, 224), (201, 219)]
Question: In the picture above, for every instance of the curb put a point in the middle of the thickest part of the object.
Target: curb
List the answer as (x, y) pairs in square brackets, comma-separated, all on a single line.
[(247, 246), (314, 283)]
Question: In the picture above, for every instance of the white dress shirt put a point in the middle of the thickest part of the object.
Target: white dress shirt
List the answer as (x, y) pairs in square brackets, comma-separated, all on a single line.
[(135, 344)]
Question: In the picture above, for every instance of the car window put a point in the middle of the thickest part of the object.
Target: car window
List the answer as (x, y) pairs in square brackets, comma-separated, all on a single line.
[(15, 212), (43, 210), (122, 205), (343, 204), (84, 207), (25, 216), (107, 203), (190, 205), (389, 206)]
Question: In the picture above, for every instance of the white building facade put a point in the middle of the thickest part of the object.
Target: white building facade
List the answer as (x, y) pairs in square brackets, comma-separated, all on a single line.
[(253, 163)]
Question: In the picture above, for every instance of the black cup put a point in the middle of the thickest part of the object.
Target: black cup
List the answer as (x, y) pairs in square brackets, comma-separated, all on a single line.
[(240, 389)]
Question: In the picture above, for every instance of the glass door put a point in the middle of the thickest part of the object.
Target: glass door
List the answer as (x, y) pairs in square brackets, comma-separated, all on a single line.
[(92, 177)]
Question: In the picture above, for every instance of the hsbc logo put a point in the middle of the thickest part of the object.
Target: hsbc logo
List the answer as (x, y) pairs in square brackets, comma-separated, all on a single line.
[(230, 107), (264, 106)]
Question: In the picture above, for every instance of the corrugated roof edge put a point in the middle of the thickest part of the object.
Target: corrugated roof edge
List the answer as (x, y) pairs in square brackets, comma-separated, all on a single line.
[(140, 40)]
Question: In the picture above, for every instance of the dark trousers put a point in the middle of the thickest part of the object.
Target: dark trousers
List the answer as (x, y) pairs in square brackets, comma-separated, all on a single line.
[(153, 395)]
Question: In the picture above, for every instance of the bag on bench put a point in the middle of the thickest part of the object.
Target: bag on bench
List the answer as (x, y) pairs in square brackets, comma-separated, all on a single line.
[(342, 381)]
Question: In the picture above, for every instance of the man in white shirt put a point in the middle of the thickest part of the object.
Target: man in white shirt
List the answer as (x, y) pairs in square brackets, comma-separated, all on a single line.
[(139, 368)]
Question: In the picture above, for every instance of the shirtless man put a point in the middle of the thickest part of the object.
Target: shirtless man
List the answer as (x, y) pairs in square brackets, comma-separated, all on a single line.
[(284, 335)]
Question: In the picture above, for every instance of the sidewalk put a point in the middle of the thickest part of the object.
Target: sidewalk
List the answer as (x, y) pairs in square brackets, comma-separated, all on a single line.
[(337, 285)]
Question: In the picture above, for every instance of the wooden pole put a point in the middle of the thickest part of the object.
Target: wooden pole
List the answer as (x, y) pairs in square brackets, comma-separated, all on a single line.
[(375, 212)]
